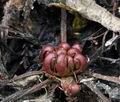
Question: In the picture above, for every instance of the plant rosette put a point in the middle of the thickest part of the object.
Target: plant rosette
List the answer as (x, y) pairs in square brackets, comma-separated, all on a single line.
[(63, 60)]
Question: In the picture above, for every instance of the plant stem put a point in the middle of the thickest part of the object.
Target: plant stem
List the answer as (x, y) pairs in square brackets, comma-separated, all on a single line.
[(63, 25)]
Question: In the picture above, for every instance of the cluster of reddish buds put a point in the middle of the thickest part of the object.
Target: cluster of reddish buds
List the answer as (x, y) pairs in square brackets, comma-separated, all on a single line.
[(69, 86), (63, 60)]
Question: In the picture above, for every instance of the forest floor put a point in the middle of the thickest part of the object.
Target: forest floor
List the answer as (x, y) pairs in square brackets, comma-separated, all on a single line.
[(27, 26)]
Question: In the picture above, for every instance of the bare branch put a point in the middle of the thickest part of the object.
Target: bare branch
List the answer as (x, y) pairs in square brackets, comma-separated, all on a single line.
[(107, 78), (22, 93)]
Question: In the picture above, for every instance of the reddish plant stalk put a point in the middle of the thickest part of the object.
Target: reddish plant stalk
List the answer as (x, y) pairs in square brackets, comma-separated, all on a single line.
[(63, 25)]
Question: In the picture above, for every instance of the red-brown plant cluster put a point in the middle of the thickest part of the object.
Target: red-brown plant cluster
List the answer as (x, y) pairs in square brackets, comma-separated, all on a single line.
[(63, 60), (69, 86)]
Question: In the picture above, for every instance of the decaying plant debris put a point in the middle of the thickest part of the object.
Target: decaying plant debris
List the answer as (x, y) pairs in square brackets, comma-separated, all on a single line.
[(29, 25), (92, 11)]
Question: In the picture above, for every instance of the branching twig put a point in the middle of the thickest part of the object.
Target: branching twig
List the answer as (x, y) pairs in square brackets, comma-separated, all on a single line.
[(22, 93), (93, 87), (111, 59), (103, 40)]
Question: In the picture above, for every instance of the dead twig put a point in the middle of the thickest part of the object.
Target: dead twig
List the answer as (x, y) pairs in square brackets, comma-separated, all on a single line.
[(111, 60), (30, 90), (103, 41), (28, 74), (107, 78), (95, 55), (115, 6), (94, 88)]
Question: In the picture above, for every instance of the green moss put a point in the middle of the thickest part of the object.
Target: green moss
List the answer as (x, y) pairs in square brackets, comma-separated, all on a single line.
[(78, 23)]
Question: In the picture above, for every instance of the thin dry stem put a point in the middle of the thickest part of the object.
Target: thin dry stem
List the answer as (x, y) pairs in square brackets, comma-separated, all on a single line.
[(107, 78), (63, 25), (14, 97), (93, 87)]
